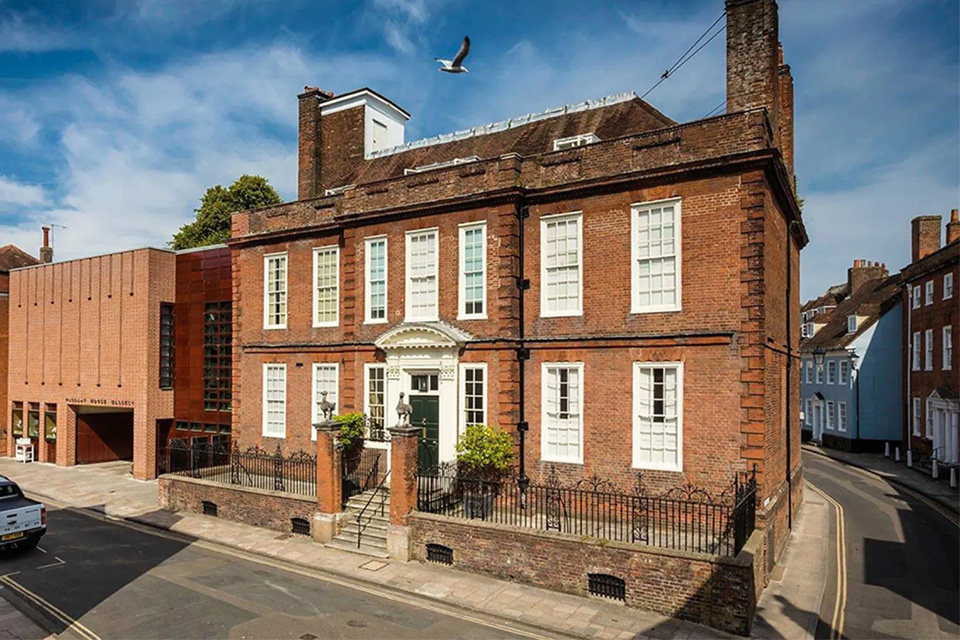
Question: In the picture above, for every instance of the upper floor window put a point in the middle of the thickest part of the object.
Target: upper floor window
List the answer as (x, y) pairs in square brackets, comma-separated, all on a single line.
[(326, 378), (928, 351), (275, 291), (916, 296), (832, 372), (851, 324), (217, 356), (948, 347), (166, 345), (274, 400), (421, 298), (473, 270), (928, 293), (326, 286), (658, 416), (807, 330), (809, 372), (819, 374), (844, 371), (562, 419), (656, 256), (575, 141), (915, 359), (561, 265), (947, 286), (375, 289)]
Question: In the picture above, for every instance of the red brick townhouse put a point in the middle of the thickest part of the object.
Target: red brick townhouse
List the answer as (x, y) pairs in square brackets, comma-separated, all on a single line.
[(614, 286), (930, 330), (111, 357)]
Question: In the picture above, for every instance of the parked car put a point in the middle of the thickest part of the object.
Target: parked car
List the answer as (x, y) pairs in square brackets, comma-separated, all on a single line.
[(22, 521)]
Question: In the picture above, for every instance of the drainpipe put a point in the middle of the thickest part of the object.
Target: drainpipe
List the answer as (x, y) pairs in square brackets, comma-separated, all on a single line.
[(523, 353)]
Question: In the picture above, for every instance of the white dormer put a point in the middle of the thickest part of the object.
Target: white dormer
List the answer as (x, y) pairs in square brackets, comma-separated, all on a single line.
[(575, 141), (383, 121), (852, 323)]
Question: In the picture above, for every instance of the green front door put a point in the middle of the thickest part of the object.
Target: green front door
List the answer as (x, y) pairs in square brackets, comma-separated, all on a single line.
[(426, 413)]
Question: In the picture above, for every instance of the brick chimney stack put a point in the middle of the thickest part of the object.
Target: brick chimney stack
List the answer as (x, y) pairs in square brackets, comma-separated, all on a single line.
[(46, 251), (785, 113), (953, 227), (308, 159), (862, 272), (753, 59), (924, 236)]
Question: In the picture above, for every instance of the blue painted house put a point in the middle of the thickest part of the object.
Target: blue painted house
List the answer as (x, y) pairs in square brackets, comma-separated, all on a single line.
[(850, 369)]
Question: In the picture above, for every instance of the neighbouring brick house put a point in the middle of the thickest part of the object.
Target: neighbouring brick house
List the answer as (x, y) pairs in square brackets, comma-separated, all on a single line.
[(94, 362), (854, 330), (931, 369), (11, 257), (615, 288)]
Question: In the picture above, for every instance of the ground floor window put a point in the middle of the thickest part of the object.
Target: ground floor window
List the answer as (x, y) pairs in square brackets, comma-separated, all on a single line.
[(830, 414), (325, 379), (16, 420), (33, 420), (562, 420), (50, 423), (808, 412), (842, 416), (658, 416), (916, 416), (274, 400), (376, 395), (473, 394)]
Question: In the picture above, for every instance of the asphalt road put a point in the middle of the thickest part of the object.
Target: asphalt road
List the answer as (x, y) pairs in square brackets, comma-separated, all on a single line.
[(93, 578), (900, 567)]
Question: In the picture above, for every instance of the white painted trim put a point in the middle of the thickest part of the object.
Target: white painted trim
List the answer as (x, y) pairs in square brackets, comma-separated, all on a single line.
[(461, 274), (915, 349), (928, 293), (635, 209), (286, 289), (263, 417), (544, 221), (831, 415), (573, 142), (543, 410), (367, 367), (947, 278), (842, 424), (928, 350), (408, 317), (316, 299), (635, 463), (366, 279), (946, 333), (314, 418), (361, 98), (462, 410)]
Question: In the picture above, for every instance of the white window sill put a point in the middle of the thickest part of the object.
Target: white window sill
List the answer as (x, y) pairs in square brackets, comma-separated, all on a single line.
[(326, 325), (274, 327), (275, 437), (424, 319), (562, 460), (561, 314), (473, 317), (649, 466), (376, 321), (642, 310)]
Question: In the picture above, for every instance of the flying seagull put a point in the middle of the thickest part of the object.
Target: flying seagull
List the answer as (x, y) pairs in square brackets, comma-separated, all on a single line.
[(454, 66)]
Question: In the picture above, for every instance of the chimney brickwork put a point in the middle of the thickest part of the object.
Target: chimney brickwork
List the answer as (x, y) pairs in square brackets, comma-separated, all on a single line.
[(953, 228), (785, 115), (924, 236), (46, 251), (753, 57), (864, 271)]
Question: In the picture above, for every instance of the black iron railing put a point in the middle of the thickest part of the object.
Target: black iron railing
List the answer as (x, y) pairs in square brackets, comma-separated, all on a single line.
[(685, 518), (361, 471), (252, 467)]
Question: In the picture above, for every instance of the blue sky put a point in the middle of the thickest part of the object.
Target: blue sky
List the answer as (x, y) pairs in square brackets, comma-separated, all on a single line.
[(116, 116)]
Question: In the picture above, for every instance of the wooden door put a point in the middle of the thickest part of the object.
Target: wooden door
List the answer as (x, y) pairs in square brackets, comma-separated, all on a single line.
[(426, 412), (104, 437)]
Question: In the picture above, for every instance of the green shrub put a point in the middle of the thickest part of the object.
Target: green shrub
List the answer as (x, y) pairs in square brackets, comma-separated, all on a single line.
[(351, 431), (484, 452)]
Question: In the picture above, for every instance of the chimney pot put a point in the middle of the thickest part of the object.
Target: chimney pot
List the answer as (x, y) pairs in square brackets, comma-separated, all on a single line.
[(953, 227), (46, 251)]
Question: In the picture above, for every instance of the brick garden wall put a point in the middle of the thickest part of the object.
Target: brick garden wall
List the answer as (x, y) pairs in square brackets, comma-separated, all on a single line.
[(256, 507), (719, 592)]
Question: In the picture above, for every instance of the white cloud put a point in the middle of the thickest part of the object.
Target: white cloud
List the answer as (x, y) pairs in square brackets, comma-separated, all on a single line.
[(16, 193), (402, 22), (17, 34)]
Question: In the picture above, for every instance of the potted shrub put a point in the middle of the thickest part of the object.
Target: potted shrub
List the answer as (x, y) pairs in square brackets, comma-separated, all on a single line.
[(484, 456)]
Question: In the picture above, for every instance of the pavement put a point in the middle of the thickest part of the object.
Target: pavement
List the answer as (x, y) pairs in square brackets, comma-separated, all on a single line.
[(897, 473), (16, 626), (111, 491)]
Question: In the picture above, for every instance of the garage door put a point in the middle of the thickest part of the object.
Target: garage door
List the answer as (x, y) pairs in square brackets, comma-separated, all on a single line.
[(104, 437)]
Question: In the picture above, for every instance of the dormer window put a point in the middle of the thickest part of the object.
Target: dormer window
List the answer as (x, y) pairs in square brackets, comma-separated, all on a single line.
[(575, 141), (338, 190), (440, 165), (807, 330), (851, 324)]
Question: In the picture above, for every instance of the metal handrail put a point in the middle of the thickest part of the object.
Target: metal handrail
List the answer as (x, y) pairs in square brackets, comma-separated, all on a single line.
[(376, 492)]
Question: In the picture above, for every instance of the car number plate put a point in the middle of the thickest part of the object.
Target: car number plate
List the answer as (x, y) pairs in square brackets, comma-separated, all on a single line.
[(12, 536)]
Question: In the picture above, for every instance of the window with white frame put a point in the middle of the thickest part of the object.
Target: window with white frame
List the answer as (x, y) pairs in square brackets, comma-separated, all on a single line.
[(473, 394), (658, 416), (947, 286), (928, 414), (928, 293), (832, 372), (819, 374), (274, 400), (275, 291), (561, 265), (842, 416), (916, 296), (915, 360), (326, 286), (851, 324), (916, 416), (562, 419), (473, 271), (375, 289), (947, 348), (831, 408), (656, 256), (376, 395), (325, 378), (844, 371), (422, 275), (808, 412), (809, 372), (928, 350), (575, 141), (804, 332)]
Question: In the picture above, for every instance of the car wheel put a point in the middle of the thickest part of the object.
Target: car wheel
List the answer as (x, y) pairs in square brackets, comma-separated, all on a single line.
[(28, 544)]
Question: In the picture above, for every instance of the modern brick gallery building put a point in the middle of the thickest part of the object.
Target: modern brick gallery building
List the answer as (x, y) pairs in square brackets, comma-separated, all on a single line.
[(617, 289)]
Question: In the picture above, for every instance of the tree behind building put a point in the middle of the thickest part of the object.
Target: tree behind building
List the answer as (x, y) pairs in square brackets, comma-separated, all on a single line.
[(212, 224)]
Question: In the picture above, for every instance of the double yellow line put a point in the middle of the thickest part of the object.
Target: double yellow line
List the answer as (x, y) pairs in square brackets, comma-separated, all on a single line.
[(840, 606), (71, 624)]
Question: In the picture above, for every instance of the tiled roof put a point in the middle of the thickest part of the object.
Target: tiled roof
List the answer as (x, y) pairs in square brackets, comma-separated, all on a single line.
[(834, 294), (873, 299), (628, 116), (945, 255), (13, 257)]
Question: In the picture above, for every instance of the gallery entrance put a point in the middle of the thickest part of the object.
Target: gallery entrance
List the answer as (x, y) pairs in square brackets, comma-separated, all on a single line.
[(104, 435)]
